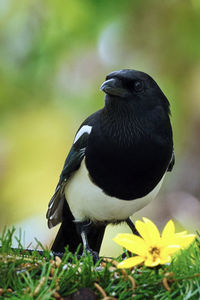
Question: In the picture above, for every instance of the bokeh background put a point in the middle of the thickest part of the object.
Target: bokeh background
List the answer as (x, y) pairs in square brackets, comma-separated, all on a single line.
[(54, 55)]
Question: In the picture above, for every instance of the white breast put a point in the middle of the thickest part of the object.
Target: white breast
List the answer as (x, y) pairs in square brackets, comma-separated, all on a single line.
[(87, 201)]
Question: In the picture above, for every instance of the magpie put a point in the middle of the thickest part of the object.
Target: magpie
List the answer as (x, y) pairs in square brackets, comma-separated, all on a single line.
[(116, 165)]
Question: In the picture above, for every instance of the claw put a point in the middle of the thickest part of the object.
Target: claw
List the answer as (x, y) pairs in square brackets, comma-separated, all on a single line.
[(92, 253)]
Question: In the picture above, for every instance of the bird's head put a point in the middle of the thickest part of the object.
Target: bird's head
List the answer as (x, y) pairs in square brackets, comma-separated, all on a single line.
[(133, 87)]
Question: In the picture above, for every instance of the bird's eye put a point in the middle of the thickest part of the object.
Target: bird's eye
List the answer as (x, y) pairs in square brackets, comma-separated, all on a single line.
[(138, 85)]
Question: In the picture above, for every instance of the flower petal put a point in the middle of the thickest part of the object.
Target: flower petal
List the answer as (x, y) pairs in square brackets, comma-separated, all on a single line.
[(142, 229), (130, 262), (149, 262), (181, 233), (184, 240), (165, 260), (171, 249), (168, 230), (152, 230), (130, 236), (131, 242)]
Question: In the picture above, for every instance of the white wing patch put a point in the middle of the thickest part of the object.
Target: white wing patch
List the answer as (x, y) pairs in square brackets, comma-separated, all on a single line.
[(84, 129)]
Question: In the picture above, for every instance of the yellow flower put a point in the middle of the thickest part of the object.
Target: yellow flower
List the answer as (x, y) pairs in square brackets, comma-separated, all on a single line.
[(152, 248)]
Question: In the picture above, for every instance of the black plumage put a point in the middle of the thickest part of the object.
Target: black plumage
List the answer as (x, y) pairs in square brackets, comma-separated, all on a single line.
[(124, 149)]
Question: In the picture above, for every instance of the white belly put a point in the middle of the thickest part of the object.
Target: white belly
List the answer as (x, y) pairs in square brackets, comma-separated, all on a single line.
[(87, 201)]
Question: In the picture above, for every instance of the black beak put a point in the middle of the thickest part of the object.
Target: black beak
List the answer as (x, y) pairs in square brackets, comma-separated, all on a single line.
[(113, 87)]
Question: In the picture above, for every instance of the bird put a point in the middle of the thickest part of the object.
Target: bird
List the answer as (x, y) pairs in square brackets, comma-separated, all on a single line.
[(117, 162)]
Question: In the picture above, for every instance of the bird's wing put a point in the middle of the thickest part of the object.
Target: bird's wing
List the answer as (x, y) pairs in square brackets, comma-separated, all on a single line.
[(172, 162), (72, 163)]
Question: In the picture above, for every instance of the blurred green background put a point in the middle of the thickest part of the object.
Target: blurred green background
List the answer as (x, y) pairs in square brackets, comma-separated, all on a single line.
[(54, 55)]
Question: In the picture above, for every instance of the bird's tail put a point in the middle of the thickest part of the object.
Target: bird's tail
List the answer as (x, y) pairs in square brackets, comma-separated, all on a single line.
[(67, 234)]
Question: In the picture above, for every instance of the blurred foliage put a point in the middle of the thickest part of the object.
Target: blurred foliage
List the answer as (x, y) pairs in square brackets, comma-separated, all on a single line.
[(53, 57)]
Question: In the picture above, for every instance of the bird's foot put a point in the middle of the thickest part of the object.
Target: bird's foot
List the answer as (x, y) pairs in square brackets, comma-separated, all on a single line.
[(92, 253), (59, 254)]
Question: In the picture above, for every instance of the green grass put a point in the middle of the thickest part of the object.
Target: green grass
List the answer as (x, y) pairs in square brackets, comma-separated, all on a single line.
[(26, 275)]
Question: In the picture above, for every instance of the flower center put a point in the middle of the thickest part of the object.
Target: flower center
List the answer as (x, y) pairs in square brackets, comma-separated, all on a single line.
[(155, 252)]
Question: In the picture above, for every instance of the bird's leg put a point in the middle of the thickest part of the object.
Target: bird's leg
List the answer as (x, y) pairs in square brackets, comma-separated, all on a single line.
[(83, 228), (132, 226)]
